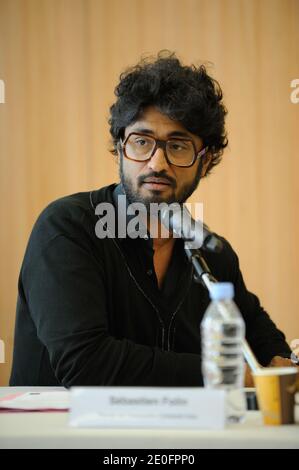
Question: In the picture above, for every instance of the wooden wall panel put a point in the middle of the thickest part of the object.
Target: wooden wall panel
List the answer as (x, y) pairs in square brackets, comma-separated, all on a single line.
[(60, 61)]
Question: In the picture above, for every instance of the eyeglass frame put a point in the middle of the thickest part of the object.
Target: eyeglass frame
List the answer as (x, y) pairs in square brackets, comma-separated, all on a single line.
[(162, 144)]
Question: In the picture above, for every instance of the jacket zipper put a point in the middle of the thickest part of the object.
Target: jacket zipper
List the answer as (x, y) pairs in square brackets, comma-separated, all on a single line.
[(146, 296), (177, 309)]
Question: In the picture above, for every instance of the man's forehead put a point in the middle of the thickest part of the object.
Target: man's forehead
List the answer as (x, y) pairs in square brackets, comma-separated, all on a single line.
[(153, 121)]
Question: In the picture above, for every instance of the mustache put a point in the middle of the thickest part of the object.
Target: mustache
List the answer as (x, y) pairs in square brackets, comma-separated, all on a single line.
[(162, 174)]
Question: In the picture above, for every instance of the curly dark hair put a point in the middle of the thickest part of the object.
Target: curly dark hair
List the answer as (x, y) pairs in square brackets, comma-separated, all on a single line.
[(184, 93)]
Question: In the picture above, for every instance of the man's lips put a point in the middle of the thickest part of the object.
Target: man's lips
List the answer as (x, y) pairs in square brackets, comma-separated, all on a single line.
[(153, 180)]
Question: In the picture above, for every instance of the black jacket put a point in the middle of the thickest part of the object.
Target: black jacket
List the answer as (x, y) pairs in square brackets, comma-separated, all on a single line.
[(89, 310)]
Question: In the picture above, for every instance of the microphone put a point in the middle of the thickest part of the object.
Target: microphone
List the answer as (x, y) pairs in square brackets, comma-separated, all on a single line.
[(178, 219)]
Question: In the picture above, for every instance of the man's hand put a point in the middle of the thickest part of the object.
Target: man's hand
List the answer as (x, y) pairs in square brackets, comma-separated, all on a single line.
[(277, 361), (248, 379)]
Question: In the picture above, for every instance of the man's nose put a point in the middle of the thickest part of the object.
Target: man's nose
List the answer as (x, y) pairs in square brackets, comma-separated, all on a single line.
[(158, 161)]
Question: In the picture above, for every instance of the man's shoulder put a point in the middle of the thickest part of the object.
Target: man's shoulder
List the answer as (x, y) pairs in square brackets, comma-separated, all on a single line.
[(77, 204), (72, 216)]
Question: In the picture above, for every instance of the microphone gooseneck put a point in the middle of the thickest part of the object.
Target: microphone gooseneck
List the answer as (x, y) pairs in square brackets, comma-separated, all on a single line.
[(196, 234)]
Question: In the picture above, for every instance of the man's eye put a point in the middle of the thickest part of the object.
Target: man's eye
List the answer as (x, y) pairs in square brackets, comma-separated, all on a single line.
[(141, 142), (177, 147)]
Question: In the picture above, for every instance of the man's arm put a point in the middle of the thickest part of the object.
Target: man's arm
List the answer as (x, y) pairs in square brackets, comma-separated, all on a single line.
[(265, 339), (65, 289)]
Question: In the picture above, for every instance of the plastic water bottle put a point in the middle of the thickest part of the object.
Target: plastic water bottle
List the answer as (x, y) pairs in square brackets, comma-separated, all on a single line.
[(222, 333)]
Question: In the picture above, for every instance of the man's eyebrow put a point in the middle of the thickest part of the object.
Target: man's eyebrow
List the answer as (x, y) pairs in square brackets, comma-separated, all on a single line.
[(144, 130)]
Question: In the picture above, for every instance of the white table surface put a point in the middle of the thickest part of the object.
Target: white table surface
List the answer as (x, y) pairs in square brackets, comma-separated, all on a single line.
[(51, 430)]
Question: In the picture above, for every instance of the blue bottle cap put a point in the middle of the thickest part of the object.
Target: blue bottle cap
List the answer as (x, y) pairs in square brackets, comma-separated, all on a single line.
[(222, 291)]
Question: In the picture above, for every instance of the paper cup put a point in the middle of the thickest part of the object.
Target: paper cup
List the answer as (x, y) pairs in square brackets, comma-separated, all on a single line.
[(276, 387)]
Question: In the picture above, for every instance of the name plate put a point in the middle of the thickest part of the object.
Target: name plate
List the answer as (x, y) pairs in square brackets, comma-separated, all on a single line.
[(133, 407)]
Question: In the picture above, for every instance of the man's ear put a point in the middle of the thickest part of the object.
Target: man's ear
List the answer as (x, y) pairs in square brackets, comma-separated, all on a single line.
[(206, 160)]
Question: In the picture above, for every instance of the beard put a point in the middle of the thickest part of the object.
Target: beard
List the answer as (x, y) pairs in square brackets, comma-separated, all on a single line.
[(134, 195)]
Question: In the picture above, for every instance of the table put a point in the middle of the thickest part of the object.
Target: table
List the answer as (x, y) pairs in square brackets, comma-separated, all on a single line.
[(51, 430)]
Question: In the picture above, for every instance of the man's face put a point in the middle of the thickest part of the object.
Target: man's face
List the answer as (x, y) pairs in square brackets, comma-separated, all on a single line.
[(178, 183)]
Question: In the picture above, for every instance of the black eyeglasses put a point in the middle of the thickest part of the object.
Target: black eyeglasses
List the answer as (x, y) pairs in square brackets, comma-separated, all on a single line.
[(177, 151)]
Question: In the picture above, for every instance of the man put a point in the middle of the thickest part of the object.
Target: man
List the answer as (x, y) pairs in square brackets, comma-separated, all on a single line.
[(127, 311)]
